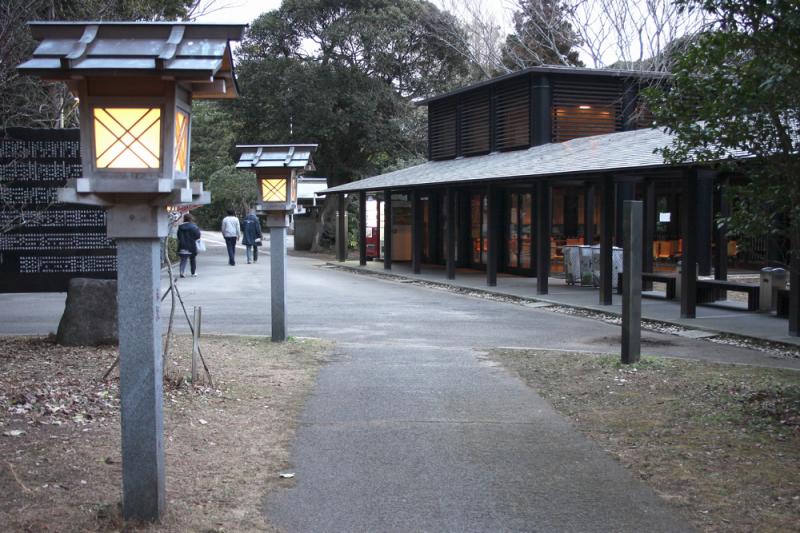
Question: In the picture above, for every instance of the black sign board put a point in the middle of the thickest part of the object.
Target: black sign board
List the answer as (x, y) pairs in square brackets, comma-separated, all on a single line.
[(43, 244)]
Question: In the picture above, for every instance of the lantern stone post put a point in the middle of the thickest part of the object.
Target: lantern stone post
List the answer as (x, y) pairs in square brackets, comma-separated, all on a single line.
[(135, 83), (277, 167)]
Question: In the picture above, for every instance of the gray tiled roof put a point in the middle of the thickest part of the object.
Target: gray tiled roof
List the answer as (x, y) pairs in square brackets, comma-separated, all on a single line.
[(276, 156), (621, 151), (182, 50)]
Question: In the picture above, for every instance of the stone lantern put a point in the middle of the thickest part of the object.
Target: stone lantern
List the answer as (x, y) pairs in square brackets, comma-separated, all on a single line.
[(277, 167), (135, 83)]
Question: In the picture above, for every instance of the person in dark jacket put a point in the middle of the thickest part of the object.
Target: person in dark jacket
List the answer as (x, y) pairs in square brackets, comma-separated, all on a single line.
[(251, 236), (188, 234)]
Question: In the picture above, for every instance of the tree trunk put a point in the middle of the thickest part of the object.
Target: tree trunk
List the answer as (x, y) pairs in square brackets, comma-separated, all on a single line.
[(325, 220)]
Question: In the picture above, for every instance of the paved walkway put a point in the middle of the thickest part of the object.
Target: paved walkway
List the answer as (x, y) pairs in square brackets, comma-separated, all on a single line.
[(727, 317), (410, 427)]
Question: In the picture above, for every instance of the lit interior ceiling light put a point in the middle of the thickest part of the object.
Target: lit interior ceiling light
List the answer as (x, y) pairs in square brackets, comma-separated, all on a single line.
[(584, 107)]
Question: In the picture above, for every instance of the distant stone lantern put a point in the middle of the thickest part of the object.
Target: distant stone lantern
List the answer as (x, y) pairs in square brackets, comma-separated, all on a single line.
[(135, 83), (277, 167)]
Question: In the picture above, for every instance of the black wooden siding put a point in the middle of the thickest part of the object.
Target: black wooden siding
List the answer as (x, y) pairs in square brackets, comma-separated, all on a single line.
[(512, 114), (442, 122), (475, 118), (501, 116)]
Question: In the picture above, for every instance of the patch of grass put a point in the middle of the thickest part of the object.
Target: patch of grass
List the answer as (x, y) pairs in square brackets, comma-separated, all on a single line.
[(646, 361), (224, 446), (720, 443)]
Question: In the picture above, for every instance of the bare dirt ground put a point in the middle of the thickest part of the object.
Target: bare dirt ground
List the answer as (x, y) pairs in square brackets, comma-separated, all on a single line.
[(720, 443), (225, 447)]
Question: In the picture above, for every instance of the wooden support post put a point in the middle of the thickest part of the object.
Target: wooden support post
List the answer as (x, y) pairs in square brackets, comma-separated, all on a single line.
[(541, 120), (704, 224), (625, 191), (362, 228), (341, 229), (588, 214), (722, 208), (689, 256), (416, 231), (544, 221), (606, 240), (450, 232), (632, 282), (493, 234), (434, 228), (649, 226), (196, 343), (794, 288), (387, 229)]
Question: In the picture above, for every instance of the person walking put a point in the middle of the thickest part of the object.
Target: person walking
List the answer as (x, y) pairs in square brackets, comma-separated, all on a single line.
[(188, 234), (231, 231), (251, 236)]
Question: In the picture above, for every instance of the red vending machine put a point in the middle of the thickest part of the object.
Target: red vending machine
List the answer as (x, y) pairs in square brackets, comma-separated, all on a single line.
[(373, 229)]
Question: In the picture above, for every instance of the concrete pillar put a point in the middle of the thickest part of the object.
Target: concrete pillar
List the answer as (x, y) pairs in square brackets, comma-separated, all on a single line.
[(588, 214), (632, 282), (362, 228), (277, 261), (689, 256), (341, 228), (387, 229), (493, 234), (606, 240), (141, 372), (450, 233), (417, 228), (544, 221)]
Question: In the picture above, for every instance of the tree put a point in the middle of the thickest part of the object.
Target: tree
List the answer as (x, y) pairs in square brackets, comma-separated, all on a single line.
[(27, 101), (542, 36), (625, 34), (736, 89), (344, 74)]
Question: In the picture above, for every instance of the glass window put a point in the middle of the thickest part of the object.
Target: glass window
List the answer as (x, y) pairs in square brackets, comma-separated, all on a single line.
[(513, 231), (475, 227), (526, 230)]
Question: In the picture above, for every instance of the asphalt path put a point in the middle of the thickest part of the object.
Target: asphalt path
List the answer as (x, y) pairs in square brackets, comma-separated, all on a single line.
[(411, 427)]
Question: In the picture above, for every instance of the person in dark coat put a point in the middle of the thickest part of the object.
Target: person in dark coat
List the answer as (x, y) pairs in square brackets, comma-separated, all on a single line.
[(188, 233), (251, 236)]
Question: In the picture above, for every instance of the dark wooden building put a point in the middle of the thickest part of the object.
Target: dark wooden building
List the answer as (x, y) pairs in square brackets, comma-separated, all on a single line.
[(523, 165)]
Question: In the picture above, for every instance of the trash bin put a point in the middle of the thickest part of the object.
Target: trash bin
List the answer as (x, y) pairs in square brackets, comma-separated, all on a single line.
[(616, 265), (578, 264), (772, 280)]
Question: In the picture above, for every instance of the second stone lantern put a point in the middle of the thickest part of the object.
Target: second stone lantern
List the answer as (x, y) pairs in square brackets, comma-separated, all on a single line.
[(276, 168)]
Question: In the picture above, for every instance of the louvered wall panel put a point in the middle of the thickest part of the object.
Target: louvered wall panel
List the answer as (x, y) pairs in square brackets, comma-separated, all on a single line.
[(442, 129), (512, 114), (582, 108), (475, 129)]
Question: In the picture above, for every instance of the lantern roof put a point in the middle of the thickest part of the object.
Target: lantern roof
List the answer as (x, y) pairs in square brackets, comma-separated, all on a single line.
[(198, 54), (276, 156)]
